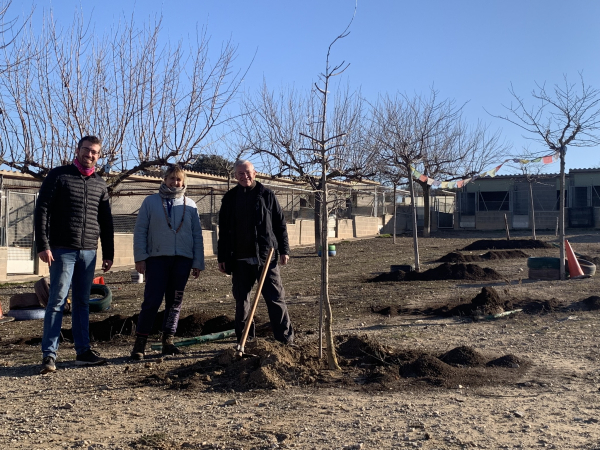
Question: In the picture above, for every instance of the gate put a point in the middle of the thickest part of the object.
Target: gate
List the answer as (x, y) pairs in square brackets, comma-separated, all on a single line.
[(18, 227), (445, 209)]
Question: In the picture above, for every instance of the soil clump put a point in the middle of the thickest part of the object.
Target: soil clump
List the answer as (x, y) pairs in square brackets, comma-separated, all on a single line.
[(592, 303), (197, 324), (463, 356), (445, 271), (503, 244), (364, 361), (456, 257)]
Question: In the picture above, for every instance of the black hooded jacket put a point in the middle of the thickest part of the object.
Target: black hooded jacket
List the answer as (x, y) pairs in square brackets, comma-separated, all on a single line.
[(269, 226)]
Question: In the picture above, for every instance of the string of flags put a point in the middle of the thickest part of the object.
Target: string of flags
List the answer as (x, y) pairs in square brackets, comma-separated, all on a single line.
[(549, 159)]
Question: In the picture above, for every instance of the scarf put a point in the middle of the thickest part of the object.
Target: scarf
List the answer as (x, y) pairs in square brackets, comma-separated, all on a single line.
[(167, 192), (83, 170)]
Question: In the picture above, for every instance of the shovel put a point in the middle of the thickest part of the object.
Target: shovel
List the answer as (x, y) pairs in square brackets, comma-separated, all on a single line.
[(239, 351)]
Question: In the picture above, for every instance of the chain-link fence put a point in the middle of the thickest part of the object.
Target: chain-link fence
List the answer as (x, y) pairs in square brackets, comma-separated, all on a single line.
[(297, 202)]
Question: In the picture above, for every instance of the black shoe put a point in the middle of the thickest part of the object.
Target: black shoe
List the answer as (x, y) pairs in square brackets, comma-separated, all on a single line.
[(90, 358), (170, 349), (168, 345), (48, 365), (139, 348)]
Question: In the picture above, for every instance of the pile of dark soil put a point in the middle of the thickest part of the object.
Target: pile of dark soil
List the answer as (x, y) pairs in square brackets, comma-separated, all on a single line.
[(471, 272), (455, 272), (456, 257), (509, 360), (463, 356), (536, 306), (384, 311), (485, 303), (592, 303), (506, 254), (198, 324), (364, 361), (503, 244)]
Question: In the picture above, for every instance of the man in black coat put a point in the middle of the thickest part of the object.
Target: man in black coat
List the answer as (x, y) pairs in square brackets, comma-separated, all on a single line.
[(250, 223), (72, 212)]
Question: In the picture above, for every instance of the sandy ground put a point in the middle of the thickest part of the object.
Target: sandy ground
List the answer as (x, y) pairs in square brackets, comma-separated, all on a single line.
[(552, 401)]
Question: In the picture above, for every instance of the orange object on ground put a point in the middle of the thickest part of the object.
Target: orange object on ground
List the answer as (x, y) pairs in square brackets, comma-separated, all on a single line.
[(98, 280), (574, 267), (4, 318)]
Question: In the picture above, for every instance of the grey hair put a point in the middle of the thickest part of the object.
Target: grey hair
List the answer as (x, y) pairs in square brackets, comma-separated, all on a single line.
[(241, 162)]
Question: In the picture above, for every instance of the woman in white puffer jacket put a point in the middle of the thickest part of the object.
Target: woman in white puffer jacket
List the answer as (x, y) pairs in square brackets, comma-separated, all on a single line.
[(167, 244)]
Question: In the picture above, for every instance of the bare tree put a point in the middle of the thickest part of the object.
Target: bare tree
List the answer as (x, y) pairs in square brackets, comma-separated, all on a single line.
[(567, 114), (408, 131), (531, 166), (278, 129), (151, 103), (314, 138)]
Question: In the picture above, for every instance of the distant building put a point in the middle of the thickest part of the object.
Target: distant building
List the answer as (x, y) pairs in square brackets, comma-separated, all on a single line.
[(483, 203)]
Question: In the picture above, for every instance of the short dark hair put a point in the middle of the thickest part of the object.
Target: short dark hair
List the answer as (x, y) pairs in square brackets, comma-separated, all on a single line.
[(90, 139)]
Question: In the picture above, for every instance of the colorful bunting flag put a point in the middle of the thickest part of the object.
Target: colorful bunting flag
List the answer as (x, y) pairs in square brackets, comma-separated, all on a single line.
[(490, 173)]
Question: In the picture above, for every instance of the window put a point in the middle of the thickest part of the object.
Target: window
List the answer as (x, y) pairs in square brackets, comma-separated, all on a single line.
[(467, 203), (494, 201), (596, 196)]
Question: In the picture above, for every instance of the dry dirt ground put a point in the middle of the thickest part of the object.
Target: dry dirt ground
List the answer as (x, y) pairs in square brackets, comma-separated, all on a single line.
[(424, 364)]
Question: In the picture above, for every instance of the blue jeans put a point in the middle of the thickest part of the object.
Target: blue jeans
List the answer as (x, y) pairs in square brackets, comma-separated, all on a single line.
[(76, 266), (166, 276)]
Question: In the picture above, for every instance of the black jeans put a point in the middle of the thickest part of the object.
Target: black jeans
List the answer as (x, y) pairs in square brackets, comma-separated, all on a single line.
[(244, 277), (166, 276)]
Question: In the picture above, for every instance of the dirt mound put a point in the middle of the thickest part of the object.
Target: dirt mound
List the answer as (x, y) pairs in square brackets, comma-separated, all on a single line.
[(384, 311), (396, 275), (485, 303), (362, 350), (463, 356), (455, 257), (427, 366), (592, 303), (197, 324), (503, 244), (107, 329), (505, 254), (446, 271), (364, 360), (488, 301), (509, 360), (536, 306), (200, 324), (192, 325)]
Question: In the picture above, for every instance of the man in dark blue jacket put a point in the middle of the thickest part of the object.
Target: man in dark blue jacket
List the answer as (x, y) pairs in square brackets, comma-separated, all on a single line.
[(250, 223), (71, 212)]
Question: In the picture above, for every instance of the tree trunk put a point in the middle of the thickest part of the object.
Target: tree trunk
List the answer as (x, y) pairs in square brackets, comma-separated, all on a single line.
[(414, 219), (561, 214), (426, 210), (325, 301), (395, 213), (532, 211), (318, 224)]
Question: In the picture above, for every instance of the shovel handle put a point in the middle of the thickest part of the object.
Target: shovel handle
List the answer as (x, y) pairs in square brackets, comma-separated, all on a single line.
[(261, 281)]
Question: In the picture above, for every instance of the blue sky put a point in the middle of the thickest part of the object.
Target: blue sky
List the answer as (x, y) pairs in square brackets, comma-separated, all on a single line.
[(470, 51)]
